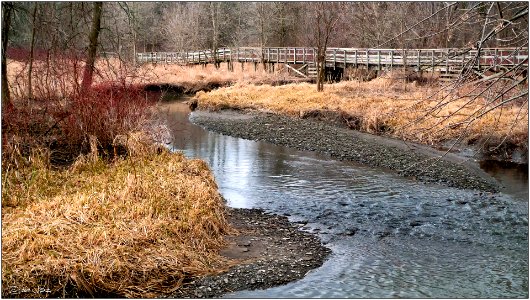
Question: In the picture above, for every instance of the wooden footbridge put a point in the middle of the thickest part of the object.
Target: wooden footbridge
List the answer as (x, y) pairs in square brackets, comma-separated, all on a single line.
[(301, 61)]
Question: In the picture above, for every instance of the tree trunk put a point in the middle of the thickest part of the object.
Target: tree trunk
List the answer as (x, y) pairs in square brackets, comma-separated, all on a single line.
[(326, 16), (32, 52), (93, 46), (321, 70), (214, 11), (7, 9)]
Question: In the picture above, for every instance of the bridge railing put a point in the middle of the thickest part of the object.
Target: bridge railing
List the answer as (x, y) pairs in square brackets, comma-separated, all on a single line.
[(441, 59), (426, 58)]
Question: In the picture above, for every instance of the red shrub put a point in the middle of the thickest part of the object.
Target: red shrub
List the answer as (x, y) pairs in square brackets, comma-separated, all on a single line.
[(105, 111)]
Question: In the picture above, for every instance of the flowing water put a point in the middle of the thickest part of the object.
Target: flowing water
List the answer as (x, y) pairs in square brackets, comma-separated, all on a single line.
[(390, 236)]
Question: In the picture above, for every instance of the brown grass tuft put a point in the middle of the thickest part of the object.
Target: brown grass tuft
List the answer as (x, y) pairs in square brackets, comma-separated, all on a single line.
[(386, 105), (135, 228), (198, 78)]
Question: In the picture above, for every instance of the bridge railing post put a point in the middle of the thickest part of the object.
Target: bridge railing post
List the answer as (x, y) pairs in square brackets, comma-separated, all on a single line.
[(379, 60), (478, 59), (334, 59), (432, 61), (495, 60), (419, 60)]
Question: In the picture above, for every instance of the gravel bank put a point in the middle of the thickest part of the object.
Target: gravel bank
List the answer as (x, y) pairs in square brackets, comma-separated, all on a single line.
[(411, 160), (269, 251)]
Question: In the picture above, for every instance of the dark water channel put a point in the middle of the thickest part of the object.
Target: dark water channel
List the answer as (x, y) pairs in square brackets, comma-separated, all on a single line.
[(390, 236)]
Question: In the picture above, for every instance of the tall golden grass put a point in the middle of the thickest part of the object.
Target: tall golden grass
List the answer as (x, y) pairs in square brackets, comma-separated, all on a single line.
[(137, 227), (387, 104), (199, 77), (61, 79)]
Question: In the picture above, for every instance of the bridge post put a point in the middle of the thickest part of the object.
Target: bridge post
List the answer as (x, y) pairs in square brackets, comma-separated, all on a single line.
[(378, 60), (447, 62), (495, 61), (391, 59), (355, 59), (334, 59), (419, 60), (345, 61), (478, 59), (367, 60), (432, 62), (303, 53)]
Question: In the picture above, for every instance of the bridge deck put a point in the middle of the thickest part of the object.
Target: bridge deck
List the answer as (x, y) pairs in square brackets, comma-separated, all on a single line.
[(424, 59)]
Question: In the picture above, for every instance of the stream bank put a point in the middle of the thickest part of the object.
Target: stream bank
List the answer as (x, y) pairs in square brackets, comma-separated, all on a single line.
[(268, 251), (390, 236), (411, 160)]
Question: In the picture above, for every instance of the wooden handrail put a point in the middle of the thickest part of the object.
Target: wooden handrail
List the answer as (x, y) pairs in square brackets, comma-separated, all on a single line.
[(342, 57)]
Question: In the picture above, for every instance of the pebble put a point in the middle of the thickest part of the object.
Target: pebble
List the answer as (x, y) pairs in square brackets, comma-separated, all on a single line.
[(349, 144), (286, 259)]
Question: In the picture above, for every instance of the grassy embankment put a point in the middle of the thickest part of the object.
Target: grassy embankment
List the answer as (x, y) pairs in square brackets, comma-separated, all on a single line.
[(125, 218), (427, 114), (205, 78)]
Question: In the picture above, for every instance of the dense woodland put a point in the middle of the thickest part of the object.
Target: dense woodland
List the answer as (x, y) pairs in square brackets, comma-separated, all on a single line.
[(129, 27)]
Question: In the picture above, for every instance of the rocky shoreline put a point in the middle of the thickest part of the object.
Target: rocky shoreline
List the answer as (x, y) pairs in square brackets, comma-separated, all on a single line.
[(269, 251), (411, 160)]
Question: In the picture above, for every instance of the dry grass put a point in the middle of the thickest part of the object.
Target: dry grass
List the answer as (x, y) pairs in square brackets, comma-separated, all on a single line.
[(62, 77), (385, 104), (196, 78), (136, 227), (64, 116)]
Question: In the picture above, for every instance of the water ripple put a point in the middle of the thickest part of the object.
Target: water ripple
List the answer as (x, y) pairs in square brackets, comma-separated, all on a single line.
[(390, 236)]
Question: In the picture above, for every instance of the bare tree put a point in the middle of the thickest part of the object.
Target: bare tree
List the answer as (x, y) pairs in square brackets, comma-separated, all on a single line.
[(32, 50), (215, 15), (489, 89), (325, 16), (93, 46), (7, 9)]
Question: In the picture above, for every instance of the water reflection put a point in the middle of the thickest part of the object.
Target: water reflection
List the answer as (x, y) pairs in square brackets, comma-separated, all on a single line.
[(512, 177), (391, 237)]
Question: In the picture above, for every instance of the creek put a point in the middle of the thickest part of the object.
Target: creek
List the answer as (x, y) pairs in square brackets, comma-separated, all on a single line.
[(390, 236)]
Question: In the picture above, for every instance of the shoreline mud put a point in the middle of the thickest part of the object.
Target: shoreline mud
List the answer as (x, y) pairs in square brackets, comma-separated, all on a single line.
[(268, 251)]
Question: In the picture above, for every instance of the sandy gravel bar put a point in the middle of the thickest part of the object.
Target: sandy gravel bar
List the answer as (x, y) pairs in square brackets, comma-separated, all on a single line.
[(269, 251), (407, 159)]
